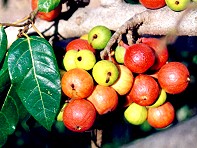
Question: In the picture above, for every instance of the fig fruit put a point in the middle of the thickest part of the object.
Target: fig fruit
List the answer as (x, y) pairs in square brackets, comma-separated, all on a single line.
[(104, 99), (145, 90), (160, 49), (162, 116), (79, 115), (173, 77), (139, 58)]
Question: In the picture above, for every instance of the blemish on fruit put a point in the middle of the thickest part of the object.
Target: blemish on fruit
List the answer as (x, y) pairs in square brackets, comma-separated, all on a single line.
[(79, 58), (95, 36), (144, 97), (177, 2), (108, 77), (73, 86), (78, 127)]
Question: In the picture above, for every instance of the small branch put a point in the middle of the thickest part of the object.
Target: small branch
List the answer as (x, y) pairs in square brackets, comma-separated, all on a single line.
[(138, 19), (28, 20)]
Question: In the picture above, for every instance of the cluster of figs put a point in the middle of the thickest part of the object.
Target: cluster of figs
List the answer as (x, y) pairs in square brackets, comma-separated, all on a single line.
[(136, 77)]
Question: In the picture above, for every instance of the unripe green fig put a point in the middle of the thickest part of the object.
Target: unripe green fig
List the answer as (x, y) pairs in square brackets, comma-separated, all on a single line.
[(177, 5), (161, 99), (119, 54), (99, 36), (136, 114), (60, 115)]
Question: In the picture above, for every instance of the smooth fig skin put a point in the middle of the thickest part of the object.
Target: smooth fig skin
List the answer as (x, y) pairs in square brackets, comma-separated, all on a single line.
[(79, 115), (162, 116), (139, 58), (161, 51), (153, 4), (77, 83), (145, 90), (104, 99), (174, 77), (79, 44)]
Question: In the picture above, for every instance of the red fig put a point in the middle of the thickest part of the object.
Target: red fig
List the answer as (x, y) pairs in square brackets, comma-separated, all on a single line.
[(161, 51), (145, 90), (174, 77), (79, 115), (139, 58)]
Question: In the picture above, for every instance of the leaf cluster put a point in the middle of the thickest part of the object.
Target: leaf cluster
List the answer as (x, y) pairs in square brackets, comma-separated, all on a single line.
[(29, 83)]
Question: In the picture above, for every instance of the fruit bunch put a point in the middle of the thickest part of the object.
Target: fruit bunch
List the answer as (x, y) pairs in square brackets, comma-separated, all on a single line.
[(154, 77), (136, 77)]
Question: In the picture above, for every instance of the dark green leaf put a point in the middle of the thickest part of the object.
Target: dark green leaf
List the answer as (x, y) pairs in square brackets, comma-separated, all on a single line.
[(4, 76), (3, 43), (34, 71), (132, 1), (10, 111), (3, 138), (4, 124), (47, 5), (22, 111)]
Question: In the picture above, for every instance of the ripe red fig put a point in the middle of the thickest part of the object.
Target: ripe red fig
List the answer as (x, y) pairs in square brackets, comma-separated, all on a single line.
[(139, 58), (174, 77), (79, 115), (162, 116), (77, 83), (104, 99), (145, 90), (161, 51)]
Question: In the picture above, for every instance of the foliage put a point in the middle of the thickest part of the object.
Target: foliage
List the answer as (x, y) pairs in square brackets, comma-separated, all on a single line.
[(47, 5), (29, 81)]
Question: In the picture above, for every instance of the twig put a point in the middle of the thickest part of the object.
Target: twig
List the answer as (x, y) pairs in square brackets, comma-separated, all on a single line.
[(132, 23), (24, 22)]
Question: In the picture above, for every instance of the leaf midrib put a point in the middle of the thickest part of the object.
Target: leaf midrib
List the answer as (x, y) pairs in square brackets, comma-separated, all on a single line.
[(33, 65)]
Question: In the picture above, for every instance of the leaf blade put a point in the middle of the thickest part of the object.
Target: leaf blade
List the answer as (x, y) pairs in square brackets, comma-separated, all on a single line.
[(3, 138), (47, 5), (4, 76), (10, 111), (3, 43), (33, 69)]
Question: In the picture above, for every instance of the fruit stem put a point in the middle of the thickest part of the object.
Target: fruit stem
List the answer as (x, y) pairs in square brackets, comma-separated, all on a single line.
[(24, 22), (130, 25)]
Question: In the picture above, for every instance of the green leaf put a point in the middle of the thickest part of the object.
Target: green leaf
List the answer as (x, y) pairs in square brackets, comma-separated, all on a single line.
[(4, 76), (3, 43), (47, 5), (21, 110), (3, 138), (4, 124), (34, 71), (10, 111)]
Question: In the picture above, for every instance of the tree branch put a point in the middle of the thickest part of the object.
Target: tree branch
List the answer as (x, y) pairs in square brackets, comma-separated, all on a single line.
[(155, 22)]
